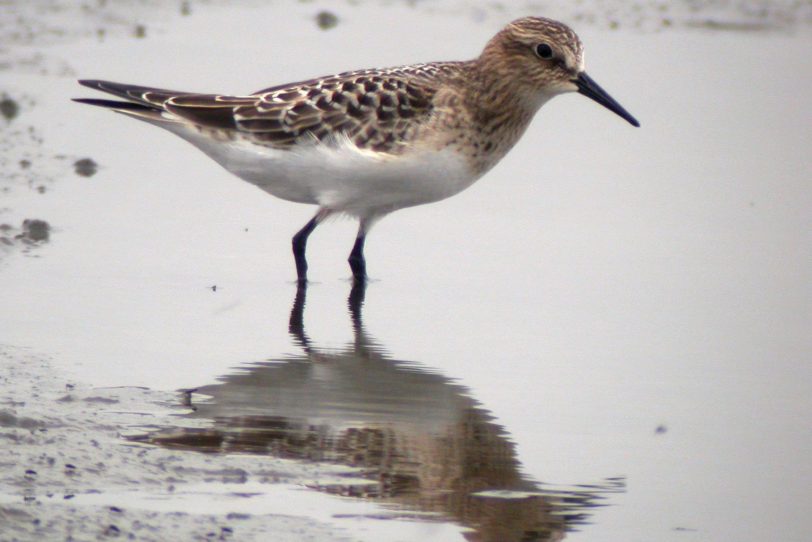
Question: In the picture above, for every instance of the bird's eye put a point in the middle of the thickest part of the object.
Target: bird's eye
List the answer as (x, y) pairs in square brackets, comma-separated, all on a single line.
[(544, 51)]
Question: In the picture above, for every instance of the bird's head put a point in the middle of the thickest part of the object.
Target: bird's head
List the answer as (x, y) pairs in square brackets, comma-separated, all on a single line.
[(541, 58)]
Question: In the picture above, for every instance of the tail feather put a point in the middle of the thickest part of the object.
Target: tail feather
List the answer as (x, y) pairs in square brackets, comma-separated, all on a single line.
[(137, 110), (168, 106)]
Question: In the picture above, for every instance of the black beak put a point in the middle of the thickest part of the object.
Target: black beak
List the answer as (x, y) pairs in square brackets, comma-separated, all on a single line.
[(589, 88)]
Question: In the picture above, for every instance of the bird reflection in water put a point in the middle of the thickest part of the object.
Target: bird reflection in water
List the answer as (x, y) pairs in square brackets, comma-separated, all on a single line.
[(414, 440)]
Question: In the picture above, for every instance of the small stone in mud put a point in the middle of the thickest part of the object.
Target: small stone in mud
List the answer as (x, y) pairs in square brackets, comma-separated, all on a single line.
[(25, 164), (9, 108), (35, 230), (326, 20), (86, 167)]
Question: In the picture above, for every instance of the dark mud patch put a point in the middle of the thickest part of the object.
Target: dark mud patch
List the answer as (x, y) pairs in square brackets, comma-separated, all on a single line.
[(326, 20), (31, 234), (85, 167), (9, 108), (35, 231)]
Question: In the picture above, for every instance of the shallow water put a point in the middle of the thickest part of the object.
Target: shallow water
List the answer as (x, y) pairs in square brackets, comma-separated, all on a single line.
[(604, 339)]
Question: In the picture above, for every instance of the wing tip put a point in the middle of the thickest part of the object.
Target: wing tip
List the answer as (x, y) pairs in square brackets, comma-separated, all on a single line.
[(92, 83)]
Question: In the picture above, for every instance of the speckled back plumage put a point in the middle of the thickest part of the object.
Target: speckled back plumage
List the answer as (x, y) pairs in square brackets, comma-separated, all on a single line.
[(377, 109)]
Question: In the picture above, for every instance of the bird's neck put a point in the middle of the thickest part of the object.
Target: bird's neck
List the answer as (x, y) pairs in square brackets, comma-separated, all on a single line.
[(499, 112)]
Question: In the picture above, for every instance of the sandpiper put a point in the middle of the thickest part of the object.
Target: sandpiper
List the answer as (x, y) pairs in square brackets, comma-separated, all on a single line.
[(369, 142)]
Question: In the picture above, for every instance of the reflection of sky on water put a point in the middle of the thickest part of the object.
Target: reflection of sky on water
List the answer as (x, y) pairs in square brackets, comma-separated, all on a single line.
[(411, 437)]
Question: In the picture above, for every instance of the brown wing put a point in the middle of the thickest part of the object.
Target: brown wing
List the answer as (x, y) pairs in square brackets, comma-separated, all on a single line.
[(376, 109)]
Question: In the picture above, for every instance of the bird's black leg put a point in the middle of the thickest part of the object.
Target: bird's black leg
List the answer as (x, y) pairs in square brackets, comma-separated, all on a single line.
[(300, 245), (357, 262)]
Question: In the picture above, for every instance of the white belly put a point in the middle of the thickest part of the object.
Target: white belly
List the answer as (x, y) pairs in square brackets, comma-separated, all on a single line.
[(342, 177)]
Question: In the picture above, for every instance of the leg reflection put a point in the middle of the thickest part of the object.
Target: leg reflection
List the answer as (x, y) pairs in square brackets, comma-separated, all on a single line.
[(355, 303), (296, 321)]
